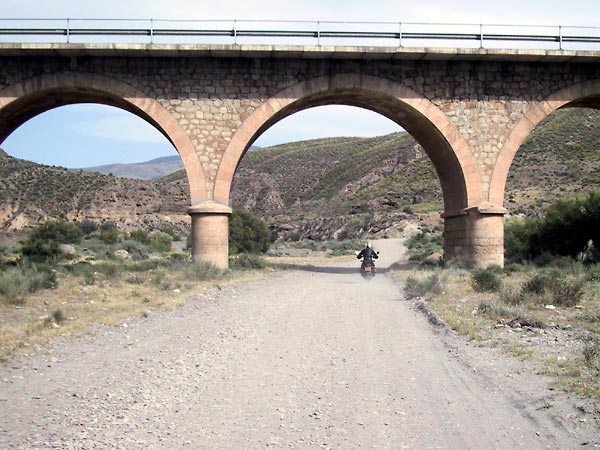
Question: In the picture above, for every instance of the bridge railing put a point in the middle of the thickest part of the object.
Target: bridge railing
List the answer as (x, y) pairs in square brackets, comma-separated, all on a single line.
[(157, 31)]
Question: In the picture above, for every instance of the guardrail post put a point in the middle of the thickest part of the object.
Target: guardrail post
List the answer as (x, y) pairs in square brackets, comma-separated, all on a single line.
[(234, 31), (319, 33), (399, 34), (480, 35), (152, 31), (68, 30), (560, 37)]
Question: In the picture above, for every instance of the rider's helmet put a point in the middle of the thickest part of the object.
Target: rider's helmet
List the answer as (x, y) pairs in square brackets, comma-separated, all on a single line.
[(369, 245)]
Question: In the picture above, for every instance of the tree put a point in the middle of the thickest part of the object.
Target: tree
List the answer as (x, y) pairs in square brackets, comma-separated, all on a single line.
[(248, 233), (43, 243)]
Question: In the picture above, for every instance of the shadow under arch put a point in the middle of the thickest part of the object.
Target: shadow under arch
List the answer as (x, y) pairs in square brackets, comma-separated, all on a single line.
[(584, 94), (441, 140), (23, 100)]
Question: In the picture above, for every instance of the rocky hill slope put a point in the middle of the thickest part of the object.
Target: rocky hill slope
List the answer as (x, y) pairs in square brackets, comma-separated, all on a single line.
[(30, 193), (317, 189)]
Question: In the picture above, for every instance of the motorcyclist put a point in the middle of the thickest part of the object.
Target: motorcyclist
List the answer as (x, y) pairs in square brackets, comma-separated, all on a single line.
[(368, 255)]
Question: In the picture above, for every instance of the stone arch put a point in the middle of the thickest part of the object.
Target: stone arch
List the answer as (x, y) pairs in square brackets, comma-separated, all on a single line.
[(449, 152), (21, 101), (586, 93)]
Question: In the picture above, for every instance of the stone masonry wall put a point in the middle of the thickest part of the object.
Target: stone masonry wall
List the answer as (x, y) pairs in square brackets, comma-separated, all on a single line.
[(211, 97)]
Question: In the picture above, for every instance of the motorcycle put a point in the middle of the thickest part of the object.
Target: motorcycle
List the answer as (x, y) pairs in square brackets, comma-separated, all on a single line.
[(367, 271)]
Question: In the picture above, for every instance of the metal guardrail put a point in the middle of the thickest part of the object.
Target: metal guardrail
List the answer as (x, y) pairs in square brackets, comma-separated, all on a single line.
[(72, 30)]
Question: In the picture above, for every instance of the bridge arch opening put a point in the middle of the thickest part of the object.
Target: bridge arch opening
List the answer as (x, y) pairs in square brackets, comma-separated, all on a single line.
[(27, 99), (558, 160), (87, 135), (311, 181), (81, 137), (581, 95), (439, 138)]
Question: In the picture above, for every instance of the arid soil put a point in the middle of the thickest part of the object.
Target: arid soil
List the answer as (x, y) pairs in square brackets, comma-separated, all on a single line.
[(309, 358)]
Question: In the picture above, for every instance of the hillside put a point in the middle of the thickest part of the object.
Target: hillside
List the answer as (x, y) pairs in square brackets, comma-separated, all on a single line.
[(316, 189), (30, 193), (560, 159)]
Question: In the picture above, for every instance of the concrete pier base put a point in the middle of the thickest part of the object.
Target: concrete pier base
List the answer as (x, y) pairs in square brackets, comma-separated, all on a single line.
[(210, 233)]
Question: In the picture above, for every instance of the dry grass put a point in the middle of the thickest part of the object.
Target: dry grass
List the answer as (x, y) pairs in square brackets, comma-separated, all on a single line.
[(109, 300), (482, 317)]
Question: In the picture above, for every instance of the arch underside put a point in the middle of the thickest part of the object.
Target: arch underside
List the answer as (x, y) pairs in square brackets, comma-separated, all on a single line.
[(581, 95), (416, 115), (28, 106)]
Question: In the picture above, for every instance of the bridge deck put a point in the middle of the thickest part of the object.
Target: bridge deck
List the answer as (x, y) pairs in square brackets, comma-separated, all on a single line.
[(297, 51)]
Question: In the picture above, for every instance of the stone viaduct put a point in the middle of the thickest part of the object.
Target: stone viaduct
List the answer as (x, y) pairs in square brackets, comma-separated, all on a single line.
[(470, 109)]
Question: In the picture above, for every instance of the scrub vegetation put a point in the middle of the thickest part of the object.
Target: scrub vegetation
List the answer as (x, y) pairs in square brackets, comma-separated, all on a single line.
[(65, 276), (543, 307)]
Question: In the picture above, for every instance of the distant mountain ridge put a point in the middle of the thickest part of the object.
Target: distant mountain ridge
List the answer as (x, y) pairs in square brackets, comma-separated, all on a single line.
[(149, 170)]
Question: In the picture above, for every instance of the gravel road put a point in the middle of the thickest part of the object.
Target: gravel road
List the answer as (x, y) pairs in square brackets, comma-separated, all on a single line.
[(313, 358)]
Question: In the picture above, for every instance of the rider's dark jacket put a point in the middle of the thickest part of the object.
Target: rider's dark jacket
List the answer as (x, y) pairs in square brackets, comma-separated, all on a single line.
[(368, 254)]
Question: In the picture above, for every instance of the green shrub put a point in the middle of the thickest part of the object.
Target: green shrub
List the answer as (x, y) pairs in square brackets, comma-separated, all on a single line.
[(485, 280), (135, 279), (57, 231), (202, 271), (495, 308), (40, 251), (541, 283), (159, 241), (87, 226), (136, 249), (109, 233), (111, 270), (511, 295), (517, 240), (423, 244), (17, 282), (139, 236), (593, 273), (555, 286), (414, 287), (146, 265), (245, 261), (57, 316), (248, 233), (174, 236), (43, 243), (567, 292), (568, 228), (179, 258), (41, 277)]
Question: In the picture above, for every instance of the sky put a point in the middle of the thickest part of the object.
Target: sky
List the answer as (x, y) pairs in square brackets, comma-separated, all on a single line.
[(89, 135)]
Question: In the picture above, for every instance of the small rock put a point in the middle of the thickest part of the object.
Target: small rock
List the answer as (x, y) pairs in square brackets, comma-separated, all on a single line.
[(121, 254), (68, 249), (550, 307)]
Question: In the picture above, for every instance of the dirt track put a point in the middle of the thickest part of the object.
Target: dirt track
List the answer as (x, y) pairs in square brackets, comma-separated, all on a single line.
[(305, 359)]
